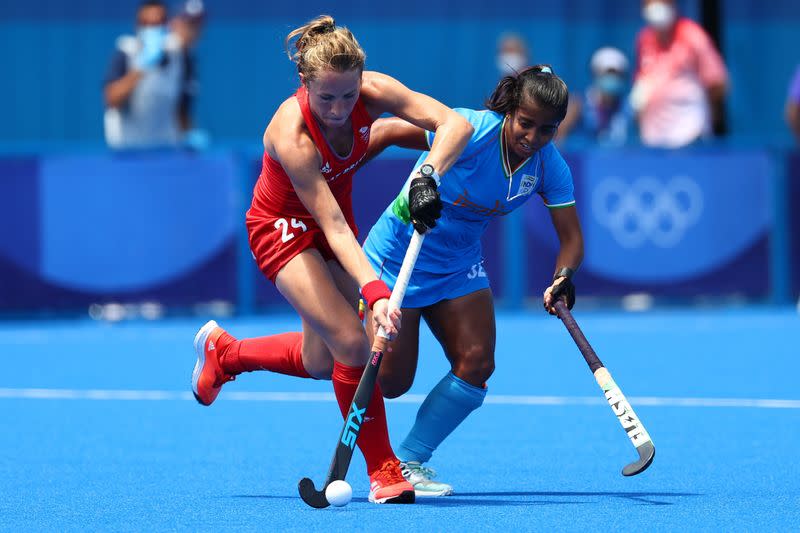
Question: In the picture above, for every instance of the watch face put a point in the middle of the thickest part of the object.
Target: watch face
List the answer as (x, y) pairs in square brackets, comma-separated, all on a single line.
[(426, 170)]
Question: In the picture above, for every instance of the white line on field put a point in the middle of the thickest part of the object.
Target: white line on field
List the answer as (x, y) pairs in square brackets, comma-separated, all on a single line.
[(161, 395)]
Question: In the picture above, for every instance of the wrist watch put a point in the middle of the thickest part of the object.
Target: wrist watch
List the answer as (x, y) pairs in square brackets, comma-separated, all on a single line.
[(427, 171)]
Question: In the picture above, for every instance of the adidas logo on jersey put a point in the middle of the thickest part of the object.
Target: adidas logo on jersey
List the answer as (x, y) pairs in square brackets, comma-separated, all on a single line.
[(364, 132), (348, 169), (210, 345), (326, 168)]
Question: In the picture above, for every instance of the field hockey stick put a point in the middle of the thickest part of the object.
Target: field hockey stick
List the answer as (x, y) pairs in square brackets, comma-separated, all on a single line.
[(355, 416), (619, 404)]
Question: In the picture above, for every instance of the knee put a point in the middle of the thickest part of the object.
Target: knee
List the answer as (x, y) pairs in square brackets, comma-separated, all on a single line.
[(394, 386), (475, 365), (321, 369), (351, 348)]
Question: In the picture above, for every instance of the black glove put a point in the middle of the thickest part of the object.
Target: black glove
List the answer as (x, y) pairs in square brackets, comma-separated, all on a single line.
[(565, 290), (424, 203)]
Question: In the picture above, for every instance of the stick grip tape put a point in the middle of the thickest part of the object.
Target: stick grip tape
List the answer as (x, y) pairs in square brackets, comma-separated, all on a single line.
[(577, 335)]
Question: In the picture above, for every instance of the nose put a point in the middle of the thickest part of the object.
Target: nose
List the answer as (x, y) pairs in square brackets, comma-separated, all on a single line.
[(530, 136), (339, 109), (542, 136)]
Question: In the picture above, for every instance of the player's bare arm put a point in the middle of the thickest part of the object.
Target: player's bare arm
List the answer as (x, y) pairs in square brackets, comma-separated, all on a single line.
[(385, 94), (568, 228), (300, 159), (570, 255), (394, 131), (287, 139), (286, 122)]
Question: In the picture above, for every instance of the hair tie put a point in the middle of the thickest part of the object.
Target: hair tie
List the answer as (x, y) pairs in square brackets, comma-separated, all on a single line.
[(546, 70)]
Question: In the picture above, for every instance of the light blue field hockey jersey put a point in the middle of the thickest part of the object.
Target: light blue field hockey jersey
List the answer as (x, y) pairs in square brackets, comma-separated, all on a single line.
[(477, 188)]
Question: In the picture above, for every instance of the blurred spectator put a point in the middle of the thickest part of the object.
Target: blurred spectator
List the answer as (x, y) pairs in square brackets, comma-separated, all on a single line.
[(601, 114), (680, 80), (513, 55), (793, 106), (150, 81), (187, 26)]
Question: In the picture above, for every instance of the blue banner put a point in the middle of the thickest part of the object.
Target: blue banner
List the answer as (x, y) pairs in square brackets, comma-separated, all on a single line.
[(118, 227), (662, 217), (169, 227), (674, 224)]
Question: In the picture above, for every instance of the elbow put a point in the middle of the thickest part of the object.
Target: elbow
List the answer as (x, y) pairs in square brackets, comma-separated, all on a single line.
[(466, 128), (115, 95), (579, 255), (575, 244), (460, 125), (337, 231), (111, 98)]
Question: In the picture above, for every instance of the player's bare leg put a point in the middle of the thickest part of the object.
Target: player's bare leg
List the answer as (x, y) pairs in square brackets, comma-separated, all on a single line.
[(400, 364), (221, 357), (469, 344), (325, 297)]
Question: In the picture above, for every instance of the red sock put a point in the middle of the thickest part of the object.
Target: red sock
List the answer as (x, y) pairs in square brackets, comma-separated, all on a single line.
[(277, 353), (373, 439)]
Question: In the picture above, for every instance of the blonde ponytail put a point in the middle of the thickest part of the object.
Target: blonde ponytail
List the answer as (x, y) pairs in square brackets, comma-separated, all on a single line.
[(321, 45)]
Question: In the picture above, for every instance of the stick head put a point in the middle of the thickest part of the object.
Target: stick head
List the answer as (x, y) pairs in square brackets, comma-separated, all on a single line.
[(646, 454), (311, 495)]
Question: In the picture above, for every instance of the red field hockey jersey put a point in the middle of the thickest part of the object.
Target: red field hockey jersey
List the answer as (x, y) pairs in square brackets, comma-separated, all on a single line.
[(274, 194)]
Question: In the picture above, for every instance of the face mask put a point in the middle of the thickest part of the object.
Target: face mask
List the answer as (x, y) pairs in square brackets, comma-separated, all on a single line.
[(509, 64), (610, 84), (659, 15)]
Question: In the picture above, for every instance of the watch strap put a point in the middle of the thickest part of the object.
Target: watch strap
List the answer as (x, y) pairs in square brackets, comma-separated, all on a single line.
[(564, 272)]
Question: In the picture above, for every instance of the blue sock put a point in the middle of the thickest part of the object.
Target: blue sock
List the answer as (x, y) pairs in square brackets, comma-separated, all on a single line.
[(446, 406)]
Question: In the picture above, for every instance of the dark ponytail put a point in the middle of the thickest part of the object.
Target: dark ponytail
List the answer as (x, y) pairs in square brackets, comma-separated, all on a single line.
[(505, 97), (537, 83)]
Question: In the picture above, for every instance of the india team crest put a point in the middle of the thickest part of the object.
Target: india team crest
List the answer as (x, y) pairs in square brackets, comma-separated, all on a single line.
[(526, 185)]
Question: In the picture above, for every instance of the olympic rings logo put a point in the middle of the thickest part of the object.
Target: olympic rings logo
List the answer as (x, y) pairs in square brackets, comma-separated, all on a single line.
[(647, 210)]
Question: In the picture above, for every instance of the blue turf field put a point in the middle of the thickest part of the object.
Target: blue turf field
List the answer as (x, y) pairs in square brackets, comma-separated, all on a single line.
[(100, 432)]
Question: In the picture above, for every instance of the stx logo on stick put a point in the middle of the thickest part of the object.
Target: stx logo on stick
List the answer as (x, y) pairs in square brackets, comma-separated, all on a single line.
[(354, 421), (626, 416)]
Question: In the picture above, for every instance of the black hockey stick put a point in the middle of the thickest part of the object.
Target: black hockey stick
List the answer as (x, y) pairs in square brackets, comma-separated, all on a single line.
[(630, 422), (355, 416)]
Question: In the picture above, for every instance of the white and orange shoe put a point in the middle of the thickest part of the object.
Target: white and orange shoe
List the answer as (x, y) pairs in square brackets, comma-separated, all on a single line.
[(387, 484), (208, 376)]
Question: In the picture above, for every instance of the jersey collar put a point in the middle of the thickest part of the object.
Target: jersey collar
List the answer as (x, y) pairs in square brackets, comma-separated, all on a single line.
[(507, 170)]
